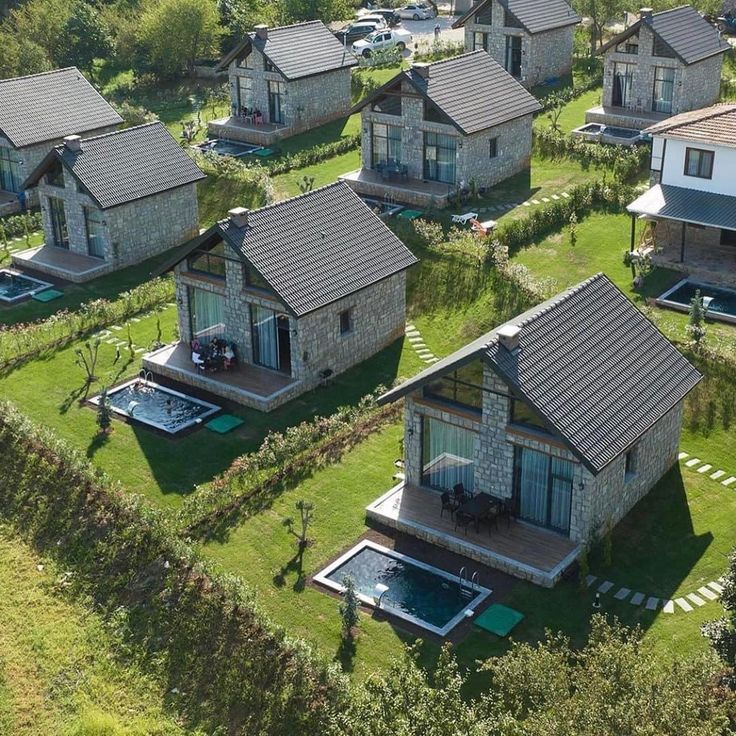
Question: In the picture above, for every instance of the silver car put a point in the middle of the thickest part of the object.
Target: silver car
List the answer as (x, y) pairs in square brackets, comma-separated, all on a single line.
[(415, 11)]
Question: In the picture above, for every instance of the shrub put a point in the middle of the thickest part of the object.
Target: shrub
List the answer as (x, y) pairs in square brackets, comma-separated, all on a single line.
[(695, 327), (440, 50), (349, 608), (16, 226), (134, 114)]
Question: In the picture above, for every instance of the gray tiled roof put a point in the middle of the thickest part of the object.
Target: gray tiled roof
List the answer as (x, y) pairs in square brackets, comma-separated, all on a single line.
[(318, 247), (536, 16), (593, 366), (301, 50), (47, 107), (687, 205), (126, 165), (715, 124), (684, 30), (473, 91)]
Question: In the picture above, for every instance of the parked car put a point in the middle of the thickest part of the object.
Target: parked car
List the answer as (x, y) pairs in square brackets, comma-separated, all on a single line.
[(388, 14), (416, 11), (727, 23), (376, 18), (354, 32), (379, 40)]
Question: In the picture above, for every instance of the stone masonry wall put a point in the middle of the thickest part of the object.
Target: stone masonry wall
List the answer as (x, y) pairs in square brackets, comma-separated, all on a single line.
[(701, 84)]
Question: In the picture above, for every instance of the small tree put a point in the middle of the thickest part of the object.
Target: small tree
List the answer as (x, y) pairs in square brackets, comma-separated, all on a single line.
[(104, 412), (696, 322), (27, 228), (131, 344), (306, 514), (349, 608), (306, 184), (573, 228), (556, 103), (86, 359)]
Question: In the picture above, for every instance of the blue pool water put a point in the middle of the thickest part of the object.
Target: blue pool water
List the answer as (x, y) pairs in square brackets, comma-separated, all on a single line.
[(621, 132), (228, 148), (14, 286), (414, 592), (157, 406), (724, 300)]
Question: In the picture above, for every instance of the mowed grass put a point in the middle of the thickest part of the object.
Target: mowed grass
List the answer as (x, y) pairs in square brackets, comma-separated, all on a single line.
[(61, 670), (573, 114)]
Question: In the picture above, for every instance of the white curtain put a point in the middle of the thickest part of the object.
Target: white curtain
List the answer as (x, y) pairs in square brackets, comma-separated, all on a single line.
[(449, 455), (264, 337), (208, 319), (562, 475), (534, 486)]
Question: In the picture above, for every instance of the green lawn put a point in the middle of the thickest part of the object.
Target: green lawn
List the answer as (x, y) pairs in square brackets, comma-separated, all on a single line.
[(61, 671), (573, 114), (325, 172)]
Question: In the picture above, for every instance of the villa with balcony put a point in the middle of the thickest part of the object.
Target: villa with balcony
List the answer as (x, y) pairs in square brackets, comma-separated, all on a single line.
[(550, 428), (284, 81), (664, 64), (299, 292), (440, 127), (36, 113)]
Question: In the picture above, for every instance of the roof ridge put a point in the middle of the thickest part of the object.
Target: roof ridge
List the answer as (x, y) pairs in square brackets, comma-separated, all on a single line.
[(119, 132), (454, 58), (44, 74), (672, 10), (695, 116), (290, 25)]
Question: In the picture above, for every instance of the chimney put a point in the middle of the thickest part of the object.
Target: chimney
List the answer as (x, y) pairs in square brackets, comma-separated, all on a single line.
[(508, 336), (421, 69), (73, 142), (645, 14), (262, 32), (239, 216)]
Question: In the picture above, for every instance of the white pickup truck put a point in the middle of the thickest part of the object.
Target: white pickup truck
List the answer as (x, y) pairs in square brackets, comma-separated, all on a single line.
[(380, 39)]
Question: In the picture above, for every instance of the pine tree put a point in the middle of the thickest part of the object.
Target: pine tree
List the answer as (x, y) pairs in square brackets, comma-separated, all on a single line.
[(696, 323), (349, 608), (104, 412)]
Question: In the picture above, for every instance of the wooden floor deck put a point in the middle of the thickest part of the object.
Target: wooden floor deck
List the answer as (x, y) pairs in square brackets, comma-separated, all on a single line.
[(520, 549), (407, 191)]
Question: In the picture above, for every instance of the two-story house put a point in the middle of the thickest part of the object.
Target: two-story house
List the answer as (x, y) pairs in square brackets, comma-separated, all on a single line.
[(300, 290), (285, 81), (531, 39), (664, 64), (36, 113), (692, 201), (566, 416), (439, 127), (111, 201)]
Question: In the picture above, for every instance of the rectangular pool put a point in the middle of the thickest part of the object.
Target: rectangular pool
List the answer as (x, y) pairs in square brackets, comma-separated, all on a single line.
[(417, 592), (224, 147), (163, 408), (15, 286), (722, 306)]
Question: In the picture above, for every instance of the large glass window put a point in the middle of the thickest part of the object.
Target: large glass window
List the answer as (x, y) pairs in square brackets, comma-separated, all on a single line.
[(211, 261), (448, 455), (439, 157), (388, 105), (207, 313), (463, 387), (58, 223), (484, 16), (385, 144), (510, 20), (276, 102), (543, 488), (254, 280), (623, 83), (55, 174), (10, 175), (660, 48), (522, 413), (480, 41), (95, 227), (271, 339), (513, 56), (699, 163), (245, 92), (664, 87)]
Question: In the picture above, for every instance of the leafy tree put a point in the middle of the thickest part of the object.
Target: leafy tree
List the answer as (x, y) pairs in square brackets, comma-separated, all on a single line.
[(20, 56), (292, 11), (599, 12), (104, 412), (38, 22), (86, 36), (306, 514), (175, 33), (722, 633), (238, 17), (696, 328), (573, 229), (349, 607)]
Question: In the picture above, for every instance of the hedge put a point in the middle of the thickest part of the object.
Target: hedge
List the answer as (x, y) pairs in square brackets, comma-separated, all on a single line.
[(232, 671)]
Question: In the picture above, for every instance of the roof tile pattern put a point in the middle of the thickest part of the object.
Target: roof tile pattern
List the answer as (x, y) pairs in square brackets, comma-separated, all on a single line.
[(715, 124), (318, 247), (536, 16), (49, 106)]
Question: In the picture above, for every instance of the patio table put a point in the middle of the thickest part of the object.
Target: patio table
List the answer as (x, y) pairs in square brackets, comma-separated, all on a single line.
[(478, 507)]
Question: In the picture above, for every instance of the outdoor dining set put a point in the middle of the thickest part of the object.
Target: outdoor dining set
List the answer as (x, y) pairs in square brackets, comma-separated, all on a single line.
[(469, 509), (392, 169)]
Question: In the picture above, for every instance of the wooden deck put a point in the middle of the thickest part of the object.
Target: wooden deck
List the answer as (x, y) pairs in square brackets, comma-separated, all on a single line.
[(406, 191), (250, 385), (61, 263), (237, 129), (520, 549)]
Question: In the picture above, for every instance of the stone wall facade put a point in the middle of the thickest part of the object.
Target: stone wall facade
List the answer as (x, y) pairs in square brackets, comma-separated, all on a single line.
[(597, 501), (544, 55)]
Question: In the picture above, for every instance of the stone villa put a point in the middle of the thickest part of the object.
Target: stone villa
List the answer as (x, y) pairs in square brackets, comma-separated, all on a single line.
[(111, 201), (444, 126), (284, 81), (692, 202), (304, 289), (569, 413), (36, 113), (531, 39), (664, 64)]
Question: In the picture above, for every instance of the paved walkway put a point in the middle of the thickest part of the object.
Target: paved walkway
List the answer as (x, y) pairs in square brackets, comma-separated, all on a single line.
[(415, 340), (114, 334), (700, 466)]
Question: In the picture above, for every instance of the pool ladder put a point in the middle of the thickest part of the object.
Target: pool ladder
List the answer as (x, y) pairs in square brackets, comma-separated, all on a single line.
[(145, 375), (468, 589)]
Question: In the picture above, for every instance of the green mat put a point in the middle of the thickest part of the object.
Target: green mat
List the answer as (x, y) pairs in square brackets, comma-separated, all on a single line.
[(263, 152), (47, 295), (498, 619), (410, 214), (224, 423)]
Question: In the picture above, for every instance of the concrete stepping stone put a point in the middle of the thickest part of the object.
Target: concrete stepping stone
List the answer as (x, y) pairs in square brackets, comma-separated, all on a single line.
[(696, 599), (140, 350), (565, 195), (414, 339), (424, 351), (692, 462), (622, 594), (536, 201), (717, 474), (704, 468), (605, 586), (135, 319), (409, 328), (414, 333), (419, 345), (728, 481), (683, 604), (637, 599), (682, 456), (555, 196), (117, 328), (652, 603), (668, 606), (707, 593), (716, 586), (527, 204), (432, 360), (590, 579), (111, 342), (545, 199), (170, 304)]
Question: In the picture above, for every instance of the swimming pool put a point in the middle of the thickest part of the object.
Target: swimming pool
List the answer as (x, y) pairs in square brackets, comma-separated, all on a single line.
[(383, 209), (416, 592), (722, 306), (15, 286), (163, 408), (224, 147)]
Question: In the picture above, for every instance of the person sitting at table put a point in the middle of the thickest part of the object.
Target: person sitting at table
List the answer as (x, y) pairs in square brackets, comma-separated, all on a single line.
[(197, 359), (228, 357)]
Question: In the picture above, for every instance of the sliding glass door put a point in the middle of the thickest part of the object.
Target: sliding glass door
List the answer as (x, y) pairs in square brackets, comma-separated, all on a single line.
[(448, 455), (543, 489), (58, 223), (207, 311), (271, 339), (10, 175)]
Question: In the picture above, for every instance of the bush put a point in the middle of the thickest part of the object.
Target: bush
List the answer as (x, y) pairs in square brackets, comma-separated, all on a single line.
[(311, 156), (440, 50), (135, 114), (15, 226)]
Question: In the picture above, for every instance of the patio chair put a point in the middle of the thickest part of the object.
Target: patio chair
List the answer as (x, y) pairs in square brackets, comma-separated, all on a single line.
[(447, 504), (463, 521), (461, 493)]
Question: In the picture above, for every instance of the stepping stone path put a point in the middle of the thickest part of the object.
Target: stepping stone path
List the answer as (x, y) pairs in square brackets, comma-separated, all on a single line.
[(728, 481), (696, 599), (683, 604), (693, 462), (605, 587), (652, 603), (717, 474), (717, 587), (416, 341), (669, 606), (682, 456), (590, 580), (622, 594), (704, 468), (637, 599), (707, 593)]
